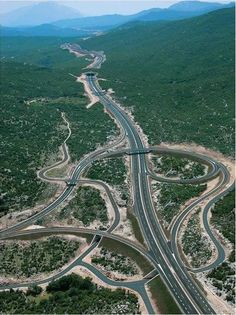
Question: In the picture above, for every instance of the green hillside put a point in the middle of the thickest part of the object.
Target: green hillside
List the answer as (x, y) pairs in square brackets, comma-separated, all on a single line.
[(43, 52), (178, 76), (33, 96)]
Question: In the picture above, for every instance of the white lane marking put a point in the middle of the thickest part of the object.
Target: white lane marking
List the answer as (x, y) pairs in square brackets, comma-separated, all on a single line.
[(139, 162), (163, 256), (165, 276), (180, 267)]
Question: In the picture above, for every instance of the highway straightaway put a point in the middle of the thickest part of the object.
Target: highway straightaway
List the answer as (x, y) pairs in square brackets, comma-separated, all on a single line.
[(174, 274)]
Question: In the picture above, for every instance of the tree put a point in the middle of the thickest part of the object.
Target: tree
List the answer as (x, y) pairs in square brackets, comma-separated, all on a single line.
[(34, 290)]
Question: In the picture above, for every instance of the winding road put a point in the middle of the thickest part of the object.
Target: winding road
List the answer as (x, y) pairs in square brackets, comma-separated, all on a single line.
[(162, 252)]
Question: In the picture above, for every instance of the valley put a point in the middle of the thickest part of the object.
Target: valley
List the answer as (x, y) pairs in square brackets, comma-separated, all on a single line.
[(126, 198)]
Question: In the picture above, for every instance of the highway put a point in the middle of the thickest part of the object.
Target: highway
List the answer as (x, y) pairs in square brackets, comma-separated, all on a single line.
[(219, 248), (76, 174), (161, 252), (98, 56), (137, 285), (173, 272)]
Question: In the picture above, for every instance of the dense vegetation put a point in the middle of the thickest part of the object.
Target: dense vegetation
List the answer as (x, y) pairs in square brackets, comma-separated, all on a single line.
[(45, 53), (194, 243), (177, 76), (86, 206), (31, 258), (32, 131), (172, 166), (223, 278), (111, 261), (172, 196), (223, 216), (112, 171), (70, 295)]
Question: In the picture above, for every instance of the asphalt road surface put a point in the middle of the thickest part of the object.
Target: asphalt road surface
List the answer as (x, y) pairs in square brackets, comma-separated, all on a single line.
[(173, 272)]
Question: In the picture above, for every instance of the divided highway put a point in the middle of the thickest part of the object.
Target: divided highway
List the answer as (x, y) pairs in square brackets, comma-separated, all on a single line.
[(161, 252), (174, 274)]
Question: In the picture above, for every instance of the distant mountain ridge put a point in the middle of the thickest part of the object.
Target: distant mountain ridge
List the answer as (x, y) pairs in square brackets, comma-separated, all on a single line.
[(41, 30), (39, 13), (190, 6), (86, 26), (181, 10)]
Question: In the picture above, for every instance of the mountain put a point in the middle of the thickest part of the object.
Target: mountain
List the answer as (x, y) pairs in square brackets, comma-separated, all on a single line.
[(190, 6), (41, 30), (41, 13), (181, 10), (9, 31), (168, 15), (65, 17), (178, 77), (99, 23)]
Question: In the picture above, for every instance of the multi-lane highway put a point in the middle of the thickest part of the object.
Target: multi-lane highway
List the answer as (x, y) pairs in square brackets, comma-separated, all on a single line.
[(162, 252), (176, 277), (98, 57)]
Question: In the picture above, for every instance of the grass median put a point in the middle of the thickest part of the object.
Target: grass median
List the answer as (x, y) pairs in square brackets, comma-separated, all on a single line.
[(128, 251), (162, 297)]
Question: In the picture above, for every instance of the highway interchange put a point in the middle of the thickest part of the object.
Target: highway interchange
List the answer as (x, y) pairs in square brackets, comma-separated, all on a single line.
[(161, 252)]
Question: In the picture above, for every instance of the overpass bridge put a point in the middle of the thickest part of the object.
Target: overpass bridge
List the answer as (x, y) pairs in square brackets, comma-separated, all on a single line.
[(71, 182), (138, 151)]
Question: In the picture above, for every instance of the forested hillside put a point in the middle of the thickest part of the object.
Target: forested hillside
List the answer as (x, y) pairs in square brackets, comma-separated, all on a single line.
[(43, 51), (178, 77), (34, 93)]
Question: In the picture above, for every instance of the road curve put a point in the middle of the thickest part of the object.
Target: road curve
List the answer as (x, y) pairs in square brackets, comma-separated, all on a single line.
[(225, 176), (77, 231), (220, 249), (213, 166), (215, 169), (138, 285), (116, 219), (74, 230), (79, 169)]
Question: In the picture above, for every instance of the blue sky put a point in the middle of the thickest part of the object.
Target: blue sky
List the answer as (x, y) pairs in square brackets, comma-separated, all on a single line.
[(98, 7)]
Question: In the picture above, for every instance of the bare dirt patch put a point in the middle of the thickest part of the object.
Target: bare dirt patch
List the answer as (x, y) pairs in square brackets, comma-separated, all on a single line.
[(219, 305), (93, 99)]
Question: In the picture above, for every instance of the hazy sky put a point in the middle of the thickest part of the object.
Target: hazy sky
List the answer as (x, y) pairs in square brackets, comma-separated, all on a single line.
[(98, 7)]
